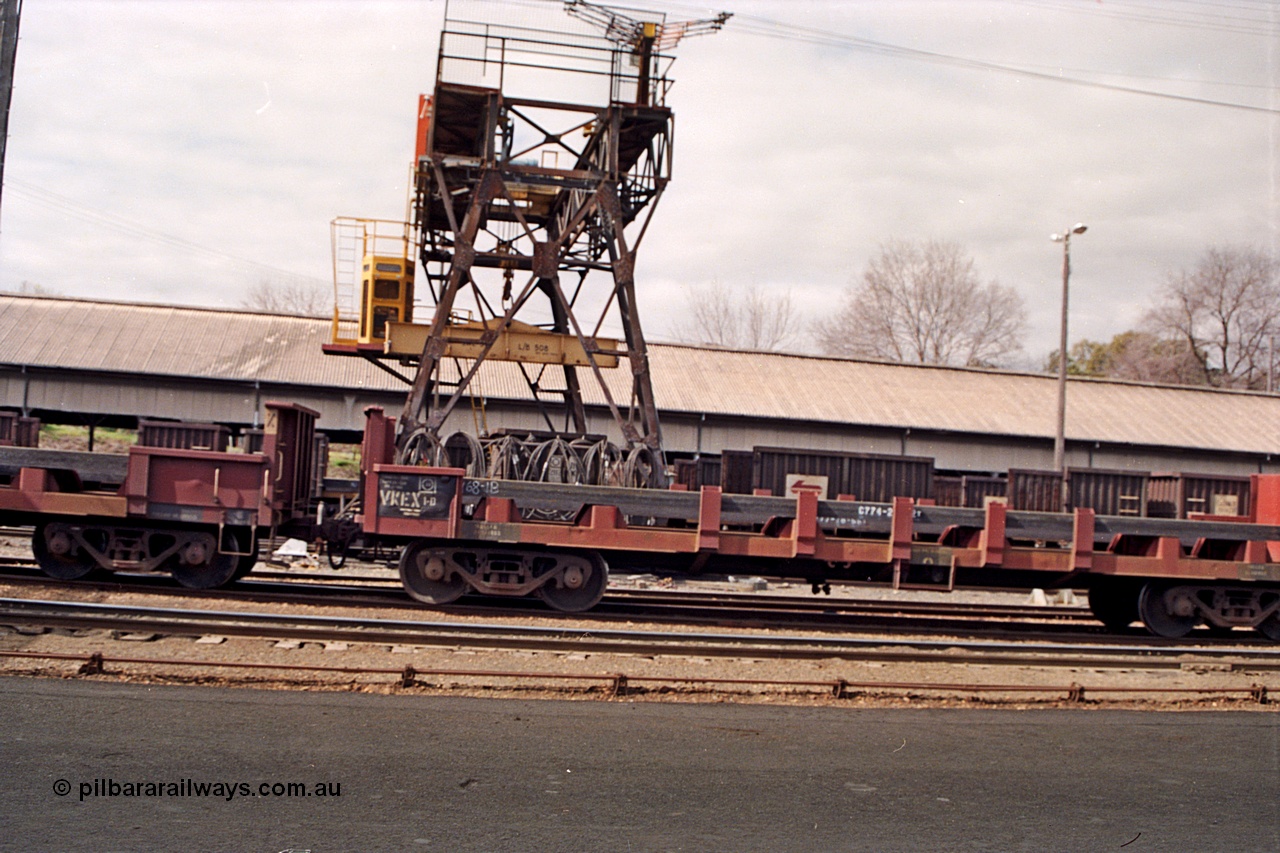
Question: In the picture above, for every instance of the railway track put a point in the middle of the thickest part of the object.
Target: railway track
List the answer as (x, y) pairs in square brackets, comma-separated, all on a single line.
[(790, 603), (753, 601), (716, 608), (619, 600), (704, 607), (688, 606), (506, 636)]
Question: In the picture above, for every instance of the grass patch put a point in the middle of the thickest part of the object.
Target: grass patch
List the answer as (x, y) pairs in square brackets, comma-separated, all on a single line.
[(344, 461), (70, 437)]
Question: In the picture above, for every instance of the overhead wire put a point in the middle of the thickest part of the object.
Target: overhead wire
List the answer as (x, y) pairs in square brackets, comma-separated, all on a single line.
[(1173, 13), (63, 204), (774, 29), (1181, 13), (771, 28), (1200, 81)]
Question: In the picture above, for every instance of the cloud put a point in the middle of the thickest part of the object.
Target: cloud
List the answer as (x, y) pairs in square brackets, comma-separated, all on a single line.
[(793, 161)]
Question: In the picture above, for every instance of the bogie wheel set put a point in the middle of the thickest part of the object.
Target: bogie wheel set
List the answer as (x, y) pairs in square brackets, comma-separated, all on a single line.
[(1172, 609), (439, 573), (197, 558)]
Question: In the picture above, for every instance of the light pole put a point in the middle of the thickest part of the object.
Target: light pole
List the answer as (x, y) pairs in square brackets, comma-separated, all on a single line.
[(1060, 440)]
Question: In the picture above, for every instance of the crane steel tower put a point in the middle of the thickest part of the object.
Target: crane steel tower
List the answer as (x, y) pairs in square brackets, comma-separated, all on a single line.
[(541, 156)]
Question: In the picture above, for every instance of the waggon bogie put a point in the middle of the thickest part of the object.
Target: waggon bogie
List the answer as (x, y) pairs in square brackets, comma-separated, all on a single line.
[(441, 572), (200, 558), (1172, 609)]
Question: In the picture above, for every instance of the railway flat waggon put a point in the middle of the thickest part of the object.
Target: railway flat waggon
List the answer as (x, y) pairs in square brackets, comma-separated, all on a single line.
[(495, 195), (503, 537), (200, 515)]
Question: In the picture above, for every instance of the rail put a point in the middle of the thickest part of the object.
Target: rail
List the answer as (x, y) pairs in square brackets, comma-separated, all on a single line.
[(595, 639), (615, 685), (622, 604)]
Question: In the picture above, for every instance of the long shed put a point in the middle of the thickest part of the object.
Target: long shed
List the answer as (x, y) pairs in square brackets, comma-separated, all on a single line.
[(80, 360)]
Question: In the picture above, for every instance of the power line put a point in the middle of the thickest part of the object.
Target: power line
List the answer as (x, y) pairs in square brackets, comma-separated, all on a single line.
[(769, 28), (1199, 82), (64, 205), (1219, 17)]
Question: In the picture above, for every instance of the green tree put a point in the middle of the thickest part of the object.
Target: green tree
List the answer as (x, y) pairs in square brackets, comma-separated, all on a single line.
[(1137, 356), (1085, 358)]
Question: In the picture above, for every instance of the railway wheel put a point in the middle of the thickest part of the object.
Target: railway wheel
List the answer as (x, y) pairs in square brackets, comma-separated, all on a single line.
[(1166, 610), (1114, 603), (58, 553), (430, 576), (336, 552), (579, 587), (1270, 627), (199, 564)]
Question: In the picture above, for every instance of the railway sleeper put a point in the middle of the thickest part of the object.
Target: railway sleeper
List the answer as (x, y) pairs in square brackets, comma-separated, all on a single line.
[(434, 573), (197, 558)]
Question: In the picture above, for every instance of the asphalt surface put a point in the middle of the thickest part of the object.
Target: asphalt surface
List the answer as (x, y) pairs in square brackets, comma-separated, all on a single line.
[(458, 774)]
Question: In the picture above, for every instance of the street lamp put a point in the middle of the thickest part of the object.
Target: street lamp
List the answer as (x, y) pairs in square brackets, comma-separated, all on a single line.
[(1059, 440)]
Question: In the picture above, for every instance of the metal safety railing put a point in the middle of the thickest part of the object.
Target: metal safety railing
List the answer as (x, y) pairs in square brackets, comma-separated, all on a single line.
[(351, 240), (582, 67)]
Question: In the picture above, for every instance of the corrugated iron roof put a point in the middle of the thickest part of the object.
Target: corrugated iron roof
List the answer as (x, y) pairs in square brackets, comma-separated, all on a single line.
[(174, 341)]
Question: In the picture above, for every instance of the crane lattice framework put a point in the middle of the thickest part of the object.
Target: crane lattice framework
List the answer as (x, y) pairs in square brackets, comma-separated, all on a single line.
[(520, 199)]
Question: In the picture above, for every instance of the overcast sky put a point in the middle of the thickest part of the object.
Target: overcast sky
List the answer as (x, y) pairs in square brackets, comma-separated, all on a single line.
[(180, 152)]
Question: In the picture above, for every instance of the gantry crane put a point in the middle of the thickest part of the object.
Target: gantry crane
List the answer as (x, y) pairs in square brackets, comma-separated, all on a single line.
[(541, 157)]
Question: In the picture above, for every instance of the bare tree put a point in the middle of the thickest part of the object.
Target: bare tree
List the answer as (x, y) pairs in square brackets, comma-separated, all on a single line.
[(297, 296), (31, 288), (1225, 310), (923, 303), (742, 318), (1143, 357)]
